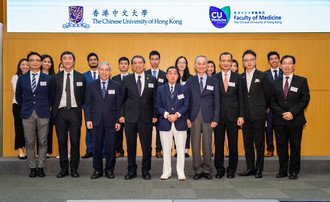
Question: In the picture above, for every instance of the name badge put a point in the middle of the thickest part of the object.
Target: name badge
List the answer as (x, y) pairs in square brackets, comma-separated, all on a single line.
[(160, 80), (209, 88), (111, 92), (150, 85), (256, 81), (79, 83), (294, 89), (181, 96), (231, 84), (43, 83)]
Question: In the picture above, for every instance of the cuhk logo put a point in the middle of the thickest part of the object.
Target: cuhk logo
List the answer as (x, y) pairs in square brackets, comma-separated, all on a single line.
[(219, 17), (76, 18)]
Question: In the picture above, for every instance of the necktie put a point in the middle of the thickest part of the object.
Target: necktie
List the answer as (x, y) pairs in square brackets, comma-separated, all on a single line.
[(34, 82), (275, 74), (154, 74), (139, 85), (286, 87), (68, 92), (172, 91), (201, 84), (103, 89), (225, 82), (94, 76)]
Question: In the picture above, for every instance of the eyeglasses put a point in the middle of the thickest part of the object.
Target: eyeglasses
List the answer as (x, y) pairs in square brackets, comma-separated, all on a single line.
[(289, 63), (34, 60), (249, 60)]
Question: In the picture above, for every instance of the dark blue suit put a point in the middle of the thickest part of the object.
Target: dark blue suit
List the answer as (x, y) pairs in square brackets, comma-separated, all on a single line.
[(103, 113)]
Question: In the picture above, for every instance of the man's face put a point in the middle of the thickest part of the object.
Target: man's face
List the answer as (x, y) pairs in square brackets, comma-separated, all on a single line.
[(123, 66), (138, 65), (172, 76), (201, 65), (34, 62), (274, 61), (225, 62), (93, 62), (287, 66), (104, 72), (154, 61), (249, 61), (67, 61)]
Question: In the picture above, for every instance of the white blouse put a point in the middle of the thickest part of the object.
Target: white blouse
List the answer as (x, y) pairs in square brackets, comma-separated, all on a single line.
[(13, 84)]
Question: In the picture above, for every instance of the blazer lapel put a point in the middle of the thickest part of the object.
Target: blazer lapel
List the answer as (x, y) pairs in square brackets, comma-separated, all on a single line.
[(255, 74), (134, 84), (222, 87)]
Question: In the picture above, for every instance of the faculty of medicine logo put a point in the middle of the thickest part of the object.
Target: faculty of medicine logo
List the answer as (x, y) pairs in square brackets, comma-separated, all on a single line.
[(76, 18), (219, 17)]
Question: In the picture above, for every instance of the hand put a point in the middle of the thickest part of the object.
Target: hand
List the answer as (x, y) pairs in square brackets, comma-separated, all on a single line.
[(240, 121), (122, 119), (189, 123), (214, 124), (172, 118), (287, 116), (89, 125), (154, 120), (117, 127)]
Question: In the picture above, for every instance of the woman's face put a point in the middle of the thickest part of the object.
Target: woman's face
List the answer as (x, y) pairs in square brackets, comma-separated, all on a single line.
[(210, 69), (24, 66), (46, 63), (182, 64), (234, 67)]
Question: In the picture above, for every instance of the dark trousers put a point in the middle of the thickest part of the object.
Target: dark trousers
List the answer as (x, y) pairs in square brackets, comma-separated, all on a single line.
[(253, 135), (50, 138), (19, 131), (89, 141), (219, 138), (119, 139), (158, 142), (145, 134), (269, 131), (104, 134), (285, 134), (68, 120)]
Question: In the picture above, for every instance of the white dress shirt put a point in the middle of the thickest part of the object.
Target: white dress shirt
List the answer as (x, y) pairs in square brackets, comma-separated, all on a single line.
[(63, 98), (142, 80), (249, 77)]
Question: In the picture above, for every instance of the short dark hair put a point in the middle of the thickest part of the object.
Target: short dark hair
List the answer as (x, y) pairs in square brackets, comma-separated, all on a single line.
[(273, 53), (211, 62), (249, 52), (32, 53), (289, 56), (138, 56), (154, 52), (235, 61), (123, 59), (19, 71), (172, 67), (68, 53), (92, 54), (226, 53), (51, 69)]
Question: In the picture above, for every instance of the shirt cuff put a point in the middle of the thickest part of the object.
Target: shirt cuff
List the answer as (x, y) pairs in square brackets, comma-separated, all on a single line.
[(179, 115), (166, 114)]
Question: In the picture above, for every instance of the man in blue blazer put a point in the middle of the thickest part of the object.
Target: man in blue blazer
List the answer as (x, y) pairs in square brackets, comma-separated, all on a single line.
[(102, 104), (172, 104), (33, 95), (204, 113)]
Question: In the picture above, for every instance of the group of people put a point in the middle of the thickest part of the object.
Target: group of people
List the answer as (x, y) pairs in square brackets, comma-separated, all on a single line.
[(182, 107)]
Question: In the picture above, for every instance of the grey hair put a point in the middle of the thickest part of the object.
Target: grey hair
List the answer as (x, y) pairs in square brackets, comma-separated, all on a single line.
[(104, 63), (201, 56)]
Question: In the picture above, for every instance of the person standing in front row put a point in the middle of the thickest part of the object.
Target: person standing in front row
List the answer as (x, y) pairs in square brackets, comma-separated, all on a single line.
[(33, 94), (138, 114), (102, 103), (290, 100), (172, 104), (68, 91), (257, 94), (204, 113)]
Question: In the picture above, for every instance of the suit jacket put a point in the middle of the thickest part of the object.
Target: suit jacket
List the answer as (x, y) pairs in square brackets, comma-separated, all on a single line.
[(88, 76), (178, 103), (39, 100), (208, 101), (297, 100), (79, 83), (96, 107), (256, 101), (232, 104), (270, 77), (117, 78), (161, 79), (134, 107)]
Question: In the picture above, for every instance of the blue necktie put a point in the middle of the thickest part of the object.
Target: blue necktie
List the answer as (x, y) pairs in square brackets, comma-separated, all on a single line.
[(34, 82), (172, 91), (201, 84), (139, 85), (104, 90), (154, 74), (68, 92), (94, 76), (275, 74)]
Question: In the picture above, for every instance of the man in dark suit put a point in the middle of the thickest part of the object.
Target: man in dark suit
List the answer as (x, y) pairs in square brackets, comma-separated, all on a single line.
[(138, 114), (160, 76), (204, 113), (68, 91), (102, 104), (231, 116), (123, 65), (289, 102), (91, 75), (273, 73), (257, 94), (172, 105), (34, 96)]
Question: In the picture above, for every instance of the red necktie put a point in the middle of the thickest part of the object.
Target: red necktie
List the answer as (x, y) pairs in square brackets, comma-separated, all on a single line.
[(225, 82)]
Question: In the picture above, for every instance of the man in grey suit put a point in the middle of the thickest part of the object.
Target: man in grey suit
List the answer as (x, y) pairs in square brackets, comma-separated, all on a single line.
[(204, 113)]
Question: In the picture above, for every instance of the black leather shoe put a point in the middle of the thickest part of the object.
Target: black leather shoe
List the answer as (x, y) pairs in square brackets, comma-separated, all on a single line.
[(87, 155), (96, 175), (33, 173), (21, 157), (248, 172), (258, 174), (281, 175), (109, 175), (130, 176), (207, 176), (62, 174), (159, 154), (198, 176), (219, 175), (293, 176), (74, 174), (186, 155), (175, 155), (146, 176), (41, 172), (230, 175)]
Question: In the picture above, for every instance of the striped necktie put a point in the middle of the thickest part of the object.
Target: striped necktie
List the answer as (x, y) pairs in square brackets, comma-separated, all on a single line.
[(286, 87), (34, 82)]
